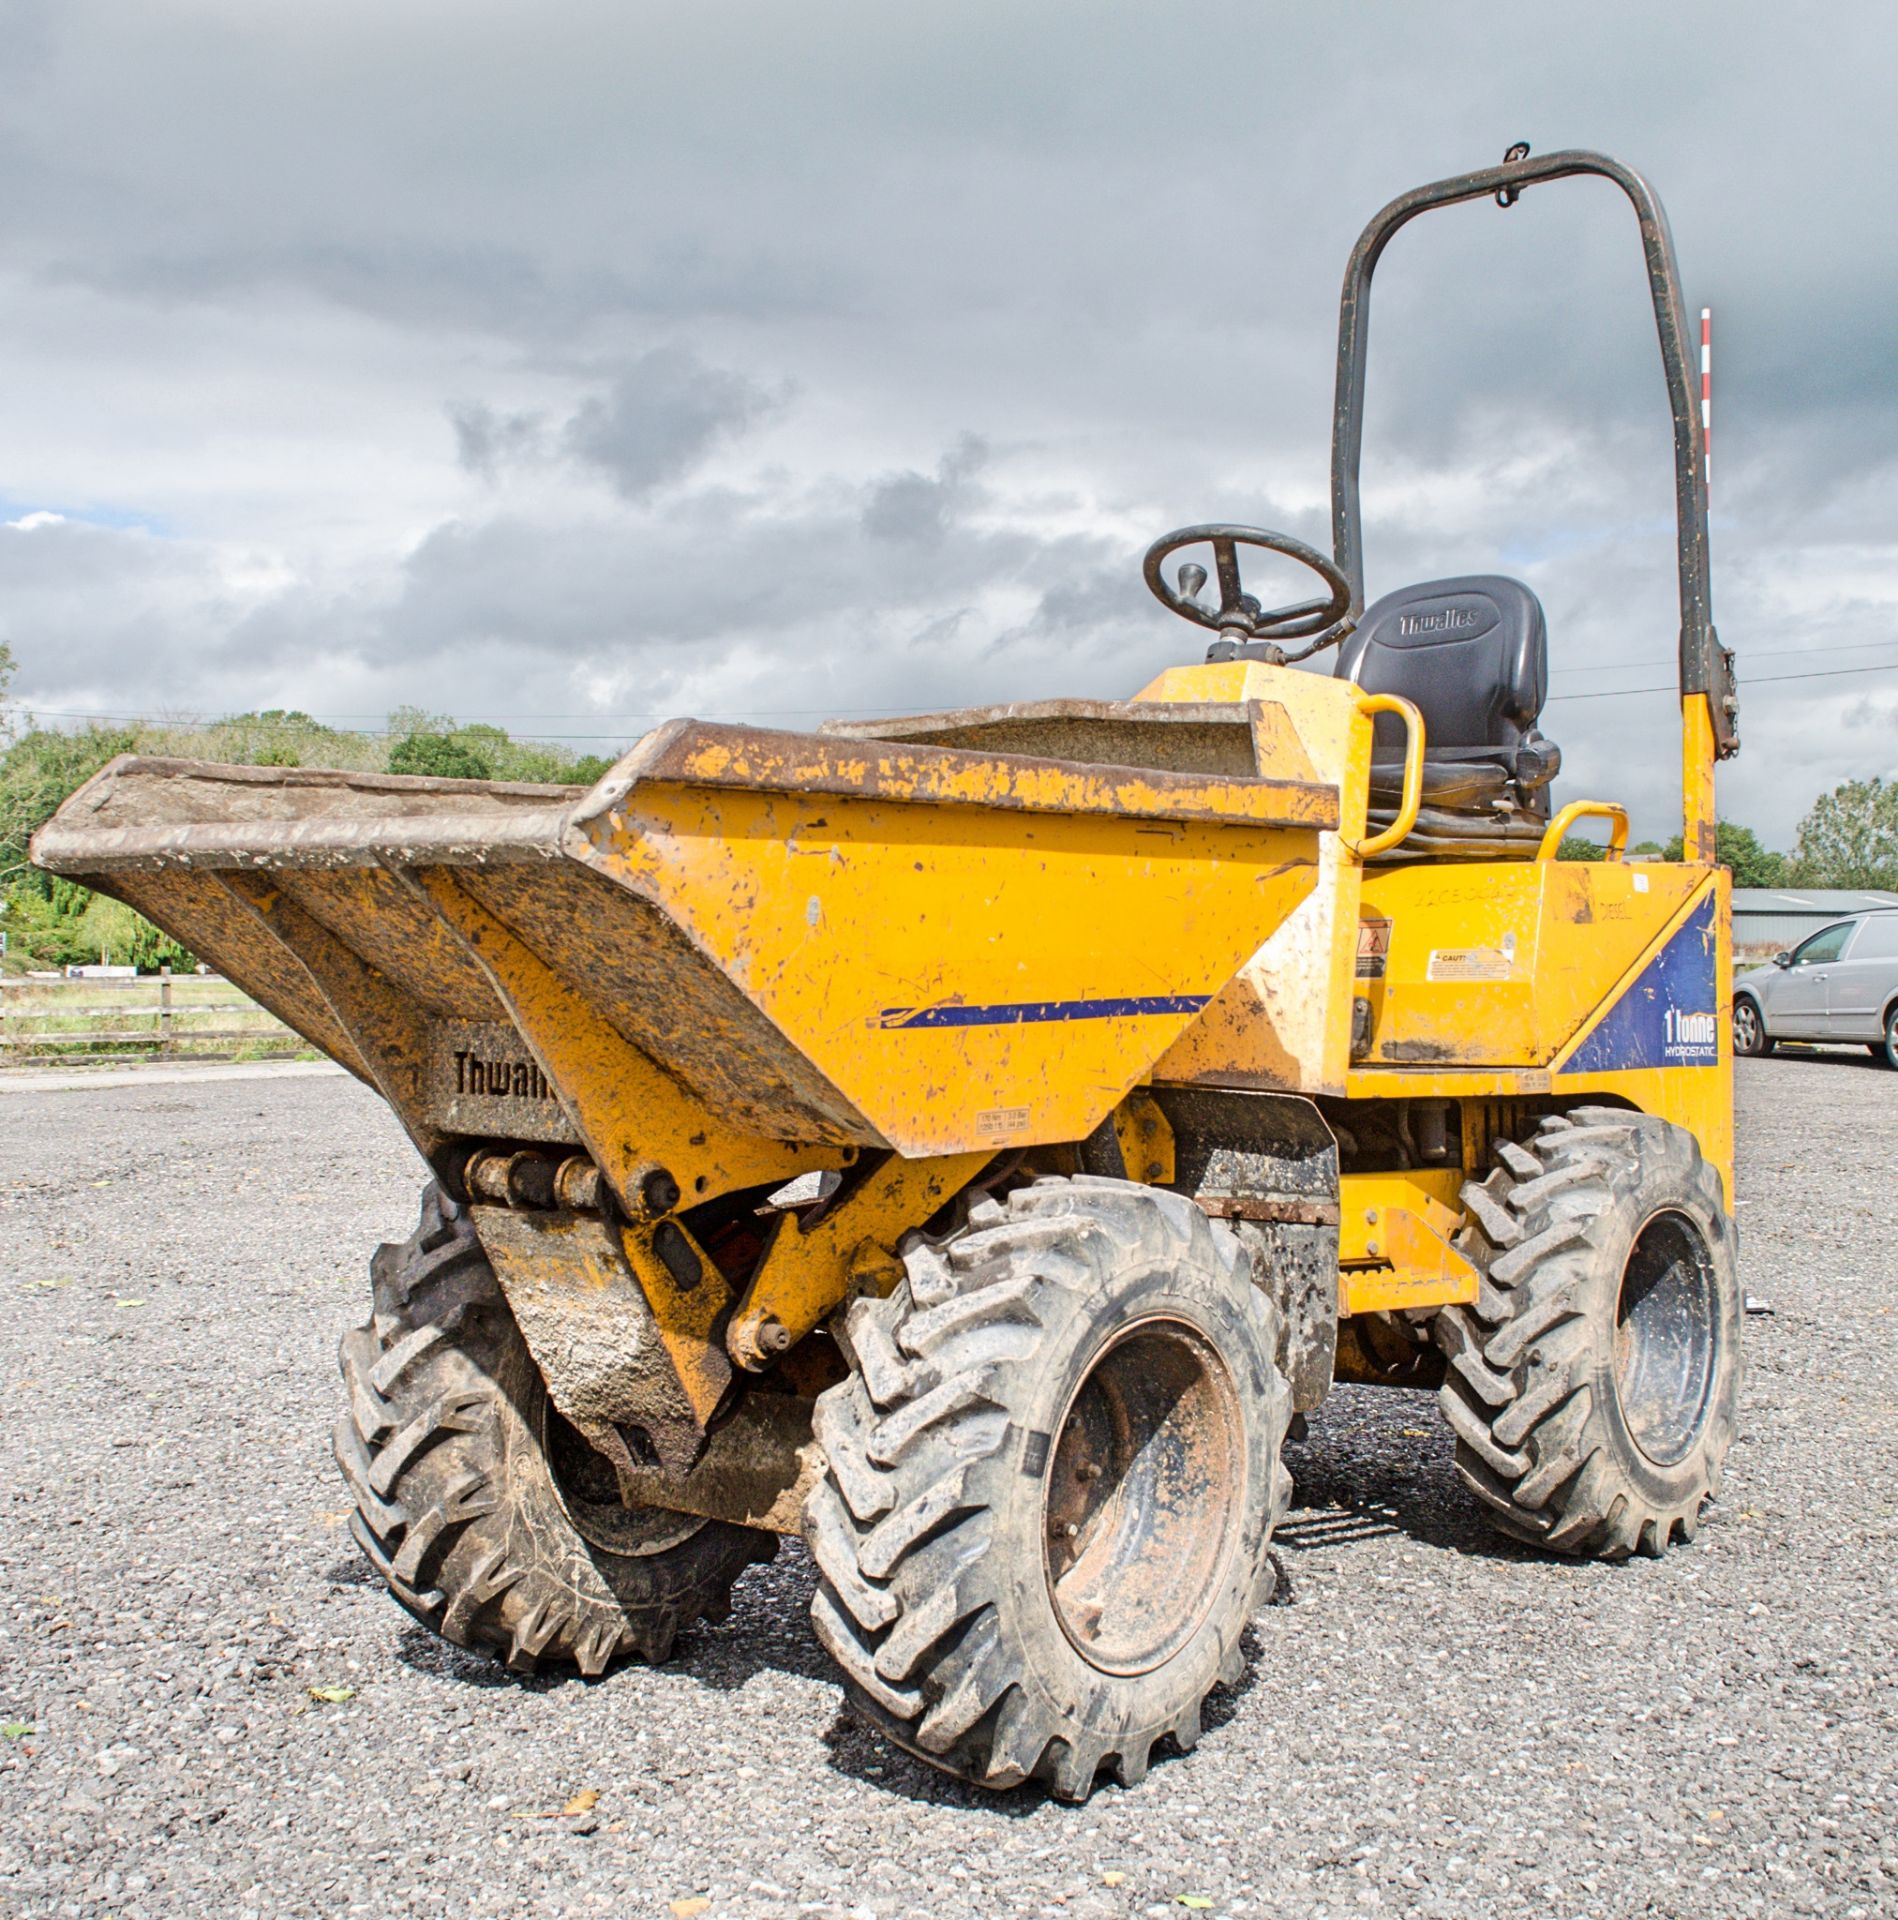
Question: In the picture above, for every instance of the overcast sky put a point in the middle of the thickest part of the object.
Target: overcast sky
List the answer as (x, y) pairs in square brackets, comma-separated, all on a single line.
[(572, 365)]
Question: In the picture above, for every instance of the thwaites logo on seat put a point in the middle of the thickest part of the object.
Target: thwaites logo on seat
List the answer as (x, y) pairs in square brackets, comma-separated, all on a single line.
[(1444, 620), (1669, 1016)]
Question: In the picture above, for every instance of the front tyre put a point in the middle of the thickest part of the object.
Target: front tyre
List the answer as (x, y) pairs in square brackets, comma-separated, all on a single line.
[(1051, 1480), (488, 1517), (1592, 1384)]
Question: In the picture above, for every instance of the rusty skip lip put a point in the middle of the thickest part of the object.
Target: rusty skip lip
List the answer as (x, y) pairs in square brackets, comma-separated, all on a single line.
[(148, 813), (704, 754)]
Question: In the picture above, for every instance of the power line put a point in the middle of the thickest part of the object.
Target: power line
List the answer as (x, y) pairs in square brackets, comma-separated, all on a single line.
[(468, 720), (1783, 653), (1755, 680)]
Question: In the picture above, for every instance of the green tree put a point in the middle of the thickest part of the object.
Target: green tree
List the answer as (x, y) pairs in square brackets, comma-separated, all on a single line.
[(1740, 851), (148, 948), (51, 921), (442, 756), (37, 772), (1850, 838), (62, 924)]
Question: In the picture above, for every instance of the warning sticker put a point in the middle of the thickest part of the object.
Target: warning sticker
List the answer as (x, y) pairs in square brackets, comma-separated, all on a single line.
[(1374, 946), (1468, 963)]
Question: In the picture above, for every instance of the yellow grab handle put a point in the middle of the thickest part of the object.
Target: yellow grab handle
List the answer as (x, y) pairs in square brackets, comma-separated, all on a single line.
[(1610, 810), (1373, 703)]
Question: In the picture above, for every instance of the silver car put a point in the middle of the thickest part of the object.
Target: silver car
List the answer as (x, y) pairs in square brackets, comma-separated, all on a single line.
[(1840, 983)]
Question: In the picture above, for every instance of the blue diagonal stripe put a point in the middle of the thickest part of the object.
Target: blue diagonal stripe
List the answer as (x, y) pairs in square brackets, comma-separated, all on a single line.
[(1021, 1013)]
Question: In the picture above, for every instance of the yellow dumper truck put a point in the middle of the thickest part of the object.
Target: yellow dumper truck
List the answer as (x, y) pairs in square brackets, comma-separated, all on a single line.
[(969, 1141)]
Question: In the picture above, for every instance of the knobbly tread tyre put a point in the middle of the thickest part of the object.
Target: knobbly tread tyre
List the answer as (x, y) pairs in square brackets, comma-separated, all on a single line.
[(927, 1527), (1530, 1386), (442, 1444)]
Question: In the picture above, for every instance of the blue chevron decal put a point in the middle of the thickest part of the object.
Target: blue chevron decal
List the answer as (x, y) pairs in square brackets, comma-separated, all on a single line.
[(1669, 1016)]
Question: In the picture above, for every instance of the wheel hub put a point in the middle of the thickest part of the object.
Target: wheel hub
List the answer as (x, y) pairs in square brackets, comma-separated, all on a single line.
[(1144, 1497), (1666, 1338), (588, 1491)]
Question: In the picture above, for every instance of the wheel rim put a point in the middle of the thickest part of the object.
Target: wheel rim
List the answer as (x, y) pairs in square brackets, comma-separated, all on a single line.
[(588, 1491), (1746, 1027), (1144, 1496), (1667, 1336)]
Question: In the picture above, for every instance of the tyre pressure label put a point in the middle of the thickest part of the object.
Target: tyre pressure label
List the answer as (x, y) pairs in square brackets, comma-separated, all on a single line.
[(1670, 1014)]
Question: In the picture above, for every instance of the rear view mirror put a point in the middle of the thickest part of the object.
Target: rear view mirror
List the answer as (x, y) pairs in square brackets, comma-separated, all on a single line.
[(1782, 959)]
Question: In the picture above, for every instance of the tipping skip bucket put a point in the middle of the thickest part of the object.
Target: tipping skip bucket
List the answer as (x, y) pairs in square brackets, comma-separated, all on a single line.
[(826, 939)]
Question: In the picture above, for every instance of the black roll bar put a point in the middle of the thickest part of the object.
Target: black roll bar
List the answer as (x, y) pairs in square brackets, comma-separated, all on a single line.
[(1705, 666)]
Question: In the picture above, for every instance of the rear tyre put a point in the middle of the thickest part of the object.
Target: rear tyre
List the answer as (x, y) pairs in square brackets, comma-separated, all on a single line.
[(1887, 1048), (1592, 1385), (1749, 1029), (1051, 1480), (489, 1518)]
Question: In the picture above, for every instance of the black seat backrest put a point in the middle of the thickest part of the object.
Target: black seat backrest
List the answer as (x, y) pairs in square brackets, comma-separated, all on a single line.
[(1471, 654)]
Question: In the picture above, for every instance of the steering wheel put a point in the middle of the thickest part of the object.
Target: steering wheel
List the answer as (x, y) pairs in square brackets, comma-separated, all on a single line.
[(1239, 619)]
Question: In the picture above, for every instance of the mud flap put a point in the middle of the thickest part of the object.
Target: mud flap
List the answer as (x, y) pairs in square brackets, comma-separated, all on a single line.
[(1267, 1164), (585, 1318)]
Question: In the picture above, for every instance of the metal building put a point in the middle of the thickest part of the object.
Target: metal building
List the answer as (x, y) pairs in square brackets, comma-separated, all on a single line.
[(1776, 919)]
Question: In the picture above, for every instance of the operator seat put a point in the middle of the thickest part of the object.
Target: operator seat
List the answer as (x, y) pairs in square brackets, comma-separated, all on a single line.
[(1472, 655)]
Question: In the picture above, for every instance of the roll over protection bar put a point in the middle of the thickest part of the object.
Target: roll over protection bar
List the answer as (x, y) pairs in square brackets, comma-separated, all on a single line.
[(1706, 667)]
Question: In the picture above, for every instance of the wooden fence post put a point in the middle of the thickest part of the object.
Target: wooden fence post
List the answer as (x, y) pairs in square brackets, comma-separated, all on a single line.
[(164, 1008)]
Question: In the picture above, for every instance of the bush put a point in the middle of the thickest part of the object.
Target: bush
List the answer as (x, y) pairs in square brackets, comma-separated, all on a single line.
[(432, 744), (441, 756)]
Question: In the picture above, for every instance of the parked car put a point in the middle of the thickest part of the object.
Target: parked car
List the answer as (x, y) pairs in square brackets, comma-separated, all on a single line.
[(1840, 983)]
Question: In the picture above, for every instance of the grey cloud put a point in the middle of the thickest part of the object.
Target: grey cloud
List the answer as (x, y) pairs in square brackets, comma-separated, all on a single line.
[(656, 420), (27, 33), (914, 509), (486, 439), (800, 573), (661, 416), (116, 621), (1089, 606)]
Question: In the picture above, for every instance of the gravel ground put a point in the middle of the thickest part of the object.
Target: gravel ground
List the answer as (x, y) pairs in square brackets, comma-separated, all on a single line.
[(1439, 1723)]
